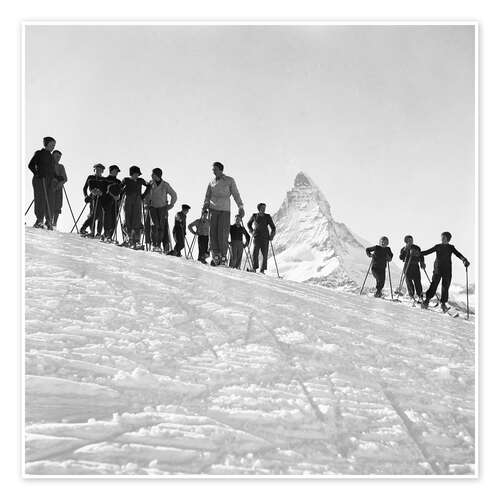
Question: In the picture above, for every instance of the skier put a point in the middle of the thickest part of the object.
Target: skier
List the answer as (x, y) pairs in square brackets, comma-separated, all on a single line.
[(97, 185), (261, 236), (442, 269), (237, 231), (411, 256), (60, 178), (218, 201), (42, 166), (156, 201), (202, 231), (132, 189), (380, 254), (111, 202), (180, 230)]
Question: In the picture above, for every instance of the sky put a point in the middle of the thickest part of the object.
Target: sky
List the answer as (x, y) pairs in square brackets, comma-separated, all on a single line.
[(380, 117)]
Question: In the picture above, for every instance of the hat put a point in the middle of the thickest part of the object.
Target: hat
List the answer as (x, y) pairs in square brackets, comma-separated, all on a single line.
[(157, 172), (259, 205), (99, 165), (135, 170), (114, 167), (186, 207)]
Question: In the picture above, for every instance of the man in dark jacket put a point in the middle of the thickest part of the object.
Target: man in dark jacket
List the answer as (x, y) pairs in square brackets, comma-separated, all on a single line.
[(237, 231), (132, 189), (111, 202), (258, 226), (380, 254), (411, 256), (180, 230), (442, 269), (42, 166), (93, 190)]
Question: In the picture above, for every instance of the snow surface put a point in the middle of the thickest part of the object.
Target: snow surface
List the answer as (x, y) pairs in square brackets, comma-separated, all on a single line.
[(138, 363)]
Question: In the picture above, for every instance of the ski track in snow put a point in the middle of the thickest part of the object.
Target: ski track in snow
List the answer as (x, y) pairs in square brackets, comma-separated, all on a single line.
[(137, 363)]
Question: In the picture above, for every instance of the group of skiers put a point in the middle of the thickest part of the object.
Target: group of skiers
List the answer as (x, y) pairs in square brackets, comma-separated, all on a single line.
[(413, 259), (146, 206)]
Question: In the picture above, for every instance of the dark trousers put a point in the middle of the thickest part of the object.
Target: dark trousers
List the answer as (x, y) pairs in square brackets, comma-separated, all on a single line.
[(236, 254), (167, 244), (220, 222), (133, 218), (44, 199), (202, 246), (414, 282), (110, 211), (260, 245), (445, 277), (379, 275), (179, 237), (96, 215), (158, 218)]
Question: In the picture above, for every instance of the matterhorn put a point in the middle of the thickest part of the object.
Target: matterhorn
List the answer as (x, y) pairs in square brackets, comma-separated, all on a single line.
[(311, 246)]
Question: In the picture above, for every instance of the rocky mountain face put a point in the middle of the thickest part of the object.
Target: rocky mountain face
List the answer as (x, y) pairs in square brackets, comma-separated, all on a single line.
[(310, 245)]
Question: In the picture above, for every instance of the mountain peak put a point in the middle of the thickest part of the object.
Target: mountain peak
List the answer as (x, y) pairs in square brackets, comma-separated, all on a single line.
[(302, 179)]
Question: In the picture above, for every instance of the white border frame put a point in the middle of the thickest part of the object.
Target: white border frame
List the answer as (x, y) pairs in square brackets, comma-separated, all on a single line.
[(22, 107)]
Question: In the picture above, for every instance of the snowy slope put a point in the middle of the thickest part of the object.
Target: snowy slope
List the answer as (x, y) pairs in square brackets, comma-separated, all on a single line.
[(311, 245), (137, 363)]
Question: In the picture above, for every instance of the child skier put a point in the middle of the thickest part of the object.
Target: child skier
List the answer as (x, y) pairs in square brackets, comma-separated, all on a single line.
[(202, 230), (411, 255), (180, 230), (60, 178), (132, 189), (237, 231), (261, 236), (156, 200), (97, 185), (111, 202), (442, 269), (380, 254)]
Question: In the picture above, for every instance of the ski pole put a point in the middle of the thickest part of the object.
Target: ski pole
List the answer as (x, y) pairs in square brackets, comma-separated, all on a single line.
[(248, 259), (191, 247), (117, 218), (79, 217), (274, 256), (367, 272), (390, 282), (28, 209), (186, 245), (69, 205), (403, 275), (467, 288)]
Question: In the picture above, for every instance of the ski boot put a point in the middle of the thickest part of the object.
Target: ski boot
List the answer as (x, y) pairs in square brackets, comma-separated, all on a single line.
[(223, 261), (39, 225), (425, 304), (444, 308), (215, 261), (378, 294), (125, 244)]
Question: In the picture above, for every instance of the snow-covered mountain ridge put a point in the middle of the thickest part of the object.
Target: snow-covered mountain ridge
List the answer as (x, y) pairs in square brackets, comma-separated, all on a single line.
[(137, 363), (311, 245)]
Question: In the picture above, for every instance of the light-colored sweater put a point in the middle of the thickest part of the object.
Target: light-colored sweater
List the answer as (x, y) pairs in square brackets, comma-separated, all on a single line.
[(157, 196), (219, 192)]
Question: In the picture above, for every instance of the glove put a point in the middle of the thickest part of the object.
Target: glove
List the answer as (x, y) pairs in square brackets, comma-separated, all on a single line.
[(241, 212), (422, 265), (271, 238), (88, 199), (466, 263), (369, 254)]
